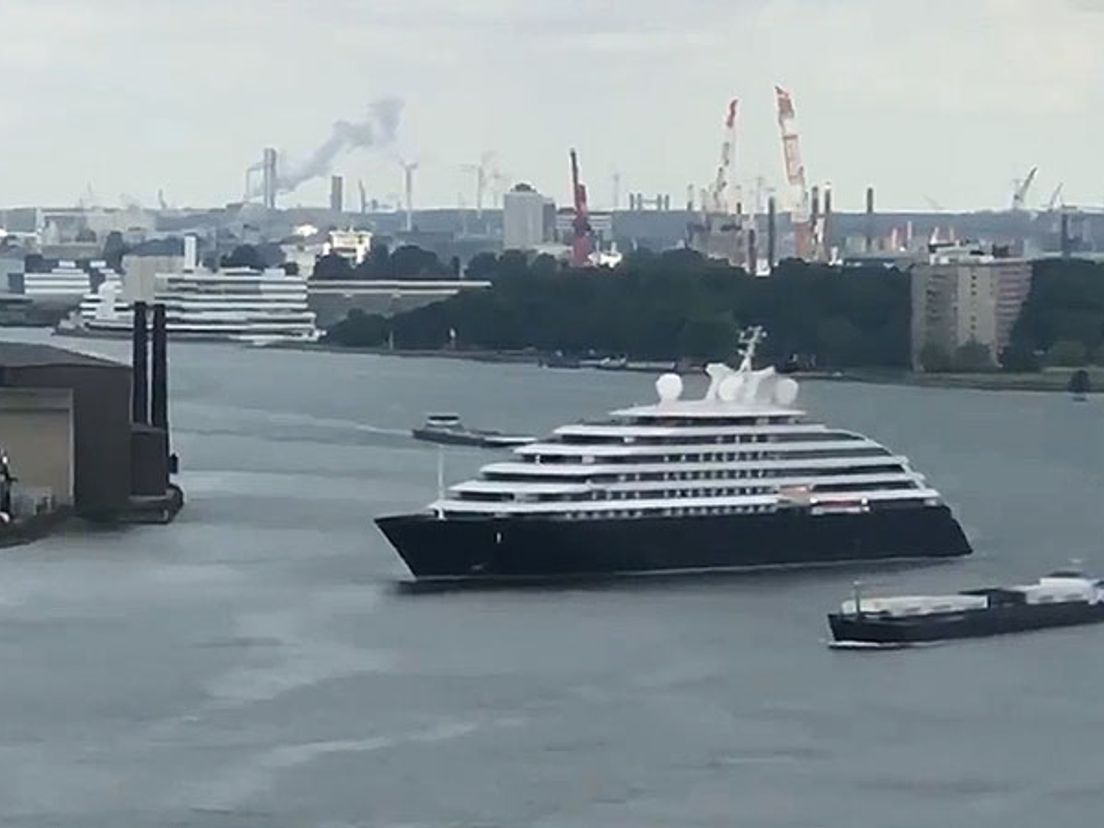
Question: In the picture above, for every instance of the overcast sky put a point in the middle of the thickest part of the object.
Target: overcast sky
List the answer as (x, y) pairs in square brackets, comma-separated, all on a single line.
[(947, 100)]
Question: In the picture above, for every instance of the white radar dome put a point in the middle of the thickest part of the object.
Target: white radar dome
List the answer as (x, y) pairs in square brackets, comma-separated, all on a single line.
[(730, 387), (669, 387), (785, 391)]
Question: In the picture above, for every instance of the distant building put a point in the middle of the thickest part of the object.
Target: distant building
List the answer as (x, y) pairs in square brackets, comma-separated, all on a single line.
[(524, 219), (65, 285), (11, 269), (142, 264), (966, 295), (350, 244)]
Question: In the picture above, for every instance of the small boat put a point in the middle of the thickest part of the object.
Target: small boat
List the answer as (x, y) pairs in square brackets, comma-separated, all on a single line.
[(1061, 599), (449, 429), (558, 359), (1080, 385)]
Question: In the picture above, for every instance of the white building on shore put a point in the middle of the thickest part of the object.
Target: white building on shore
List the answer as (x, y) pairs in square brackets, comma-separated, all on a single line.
[(963, 295)]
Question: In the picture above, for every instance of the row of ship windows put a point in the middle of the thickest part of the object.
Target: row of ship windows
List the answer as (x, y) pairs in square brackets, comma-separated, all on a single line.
[(671, 512), (703, 439), (666, 512), (681, 422), (666, 494), (732, 474), (710, 457), (498, 497)]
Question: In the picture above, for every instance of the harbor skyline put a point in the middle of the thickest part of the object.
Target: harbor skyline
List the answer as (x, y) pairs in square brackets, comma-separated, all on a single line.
[(640, 93)]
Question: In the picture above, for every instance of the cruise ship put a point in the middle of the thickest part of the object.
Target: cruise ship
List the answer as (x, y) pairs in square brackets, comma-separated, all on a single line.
[(740, 478), (230, 304)]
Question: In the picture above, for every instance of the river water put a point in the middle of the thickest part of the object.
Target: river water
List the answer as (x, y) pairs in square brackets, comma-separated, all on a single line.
[(254, 664)]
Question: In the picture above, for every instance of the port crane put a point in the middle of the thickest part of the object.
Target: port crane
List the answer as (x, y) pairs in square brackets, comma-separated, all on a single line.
[(581, 243), (795, 173), (723, 183), (1055, 199), (1021, 187)]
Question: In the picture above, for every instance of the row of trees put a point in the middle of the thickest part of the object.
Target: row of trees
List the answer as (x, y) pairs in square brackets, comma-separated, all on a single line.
[(661, 306), (405, 262), (1062, 321)]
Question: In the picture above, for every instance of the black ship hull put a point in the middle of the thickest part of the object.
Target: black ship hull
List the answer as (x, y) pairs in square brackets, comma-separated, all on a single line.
[(967, 624), (492, 548)]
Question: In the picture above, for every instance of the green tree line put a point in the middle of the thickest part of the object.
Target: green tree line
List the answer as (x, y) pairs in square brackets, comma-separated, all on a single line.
[(661, 306), (1062, 320)]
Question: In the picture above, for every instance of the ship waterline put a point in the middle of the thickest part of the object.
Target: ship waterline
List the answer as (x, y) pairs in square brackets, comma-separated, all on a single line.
[(493, 549)]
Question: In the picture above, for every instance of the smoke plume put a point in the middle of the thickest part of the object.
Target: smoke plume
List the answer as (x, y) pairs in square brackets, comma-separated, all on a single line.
[(377, 130)]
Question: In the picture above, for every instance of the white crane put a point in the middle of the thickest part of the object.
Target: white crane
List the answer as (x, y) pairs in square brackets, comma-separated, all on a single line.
[(1055, 199), (1021, 187)]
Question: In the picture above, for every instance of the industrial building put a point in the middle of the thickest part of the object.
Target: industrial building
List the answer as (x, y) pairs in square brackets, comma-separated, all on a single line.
[(525, 218), (64, 285), (146, 260), (965, 295), (85, 435), (65, 425)]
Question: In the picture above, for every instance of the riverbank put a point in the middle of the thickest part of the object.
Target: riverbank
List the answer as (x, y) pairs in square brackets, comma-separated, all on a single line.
[(1050, 380)]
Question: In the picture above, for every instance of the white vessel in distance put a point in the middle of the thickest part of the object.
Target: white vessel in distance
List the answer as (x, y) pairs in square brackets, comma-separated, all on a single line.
[(738, 478), (236, 303)]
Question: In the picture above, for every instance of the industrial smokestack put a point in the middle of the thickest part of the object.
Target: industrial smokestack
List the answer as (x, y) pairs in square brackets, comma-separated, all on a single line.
[(869, 219), (826, 232), (269, 178), (772, 232), (337, 194), (1064, 240), (752, 253), (191, 256), (159, 396), (139, 396)]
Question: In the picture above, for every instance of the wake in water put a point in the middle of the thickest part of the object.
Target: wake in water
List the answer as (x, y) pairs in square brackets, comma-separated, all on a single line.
[(875, 646)]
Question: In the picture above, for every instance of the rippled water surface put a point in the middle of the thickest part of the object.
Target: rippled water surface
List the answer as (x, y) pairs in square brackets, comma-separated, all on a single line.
[(254, 664)]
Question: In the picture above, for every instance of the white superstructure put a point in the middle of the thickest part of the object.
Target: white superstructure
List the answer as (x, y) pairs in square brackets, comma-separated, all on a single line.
[(64, 284), (234, 303), (741, 449)]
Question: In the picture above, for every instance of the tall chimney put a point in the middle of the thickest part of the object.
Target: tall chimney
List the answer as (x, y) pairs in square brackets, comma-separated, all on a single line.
[(814, 223), (139, 396), (752, 253), (191, 257), (337, 195), (826, 234), (772, 232), (269, 178), (1064, 240), (159, 394), (869, 219)]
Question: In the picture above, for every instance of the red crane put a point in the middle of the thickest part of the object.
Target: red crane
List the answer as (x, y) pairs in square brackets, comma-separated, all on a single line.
[(581, 242)]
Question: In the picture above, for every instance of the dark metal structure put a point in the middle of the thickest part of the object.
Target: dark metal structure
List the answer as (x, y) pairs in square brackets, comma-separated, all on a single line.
[(120, 419), (101, 418)]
